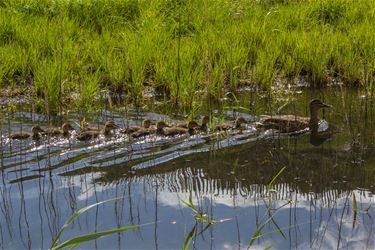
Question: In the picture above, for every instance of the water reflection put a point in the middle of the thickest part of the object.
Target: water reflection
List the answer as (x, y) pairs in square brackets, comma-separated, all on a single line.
[(227, 176)]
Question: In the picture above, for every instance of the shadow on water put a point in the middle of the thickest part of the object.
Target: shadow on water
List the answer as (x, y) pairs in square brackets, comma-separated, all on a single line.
[(227, 176)]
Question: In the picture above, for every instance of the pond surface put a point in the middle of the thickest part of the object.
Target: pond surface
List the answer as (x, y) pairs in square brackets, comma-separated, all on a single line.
[(311, 203)]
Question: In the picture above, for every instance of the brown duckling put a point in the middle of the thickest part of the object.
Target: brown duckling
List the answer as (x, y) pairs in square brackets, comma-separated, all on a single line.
[(203, 126), (179, 131), (109, 123), (292, 123), (231, 125), (142, 132), (34, 134), (131, 129), (160, 125), (90, 134), (146, 130), (64, 130), (205, 121)]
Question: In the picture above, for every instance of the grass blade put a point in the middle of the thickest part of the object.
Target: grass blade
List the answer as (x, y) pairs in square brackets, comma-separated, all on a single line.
[(75, 215), (355, 209), (189, 239), (88, 237), (275, 177), (275, 231)]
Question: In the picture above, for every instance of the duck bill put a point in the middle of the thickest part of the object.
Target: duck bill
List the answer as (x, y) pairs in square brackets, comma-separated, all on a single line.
[(323, 105)]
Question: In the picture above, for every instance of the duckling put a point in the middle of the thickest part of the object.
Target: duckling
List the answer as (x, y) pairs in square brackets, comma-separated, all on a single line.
[(205, 121), (203, 127), (131, 129), (90, 134), (141, 132), (109, 123), (231, 125), (34, 134), (160, 125), (64, 130), (179, 131), (292, 123)]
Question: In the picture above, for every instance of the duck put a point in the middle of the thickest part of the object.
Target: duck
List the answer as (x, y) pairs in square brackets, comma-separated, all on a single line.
[(292, 123), (109, 123), (231, 125), (160, 125), (205, 121), (91, 134), (64, 130), (179, 130), (34, 134), (141, 132), (131, 129), (202, 127)]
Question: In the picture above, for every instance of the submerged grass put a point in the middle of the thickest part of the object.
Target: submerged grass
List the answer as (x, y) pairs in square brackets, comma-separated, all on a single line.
[(180, 47), (76, 241)]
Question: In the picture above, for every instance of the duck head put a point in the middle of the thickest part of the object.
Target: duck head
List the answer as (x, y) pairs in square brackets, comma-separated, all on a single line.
[(317, 104), (161, 124), (147, 123), (66, 127), (193, 125), (109, 126), (205, 120), (239, 121), (37, 129)]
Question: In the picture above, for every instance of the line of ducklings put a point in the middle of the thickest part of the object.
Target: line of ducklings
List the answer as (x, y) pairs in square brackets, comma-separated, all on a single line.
[(149, 127)]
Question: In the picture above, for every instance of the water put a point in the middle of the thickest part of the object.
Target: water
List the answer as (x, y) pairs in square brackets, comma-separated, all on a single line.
[(309, 205)]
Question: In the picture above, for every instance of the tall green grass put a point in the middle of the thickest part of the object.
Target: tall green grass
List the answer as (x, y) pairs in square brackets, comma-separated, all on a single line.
[(182, 47)]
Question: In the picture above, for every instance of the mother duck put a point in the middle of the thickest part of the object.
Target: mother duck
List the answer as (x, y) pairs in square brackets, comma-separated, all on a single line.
[(292, 123)]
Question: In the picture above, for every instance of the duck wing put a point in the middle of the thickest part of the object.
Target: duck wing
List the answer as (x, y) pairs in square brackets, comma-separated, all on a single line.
[(284, 123), (175, 131), (130, 129), (20, 135), (141, 132), (224, 126), (52, 131), (87, 135), (182, 125)]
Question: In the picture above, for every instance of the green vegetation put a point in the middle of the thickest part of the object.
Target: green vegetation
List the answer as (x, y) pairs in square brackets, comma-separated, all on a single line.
[(74, 242), (179, 47)]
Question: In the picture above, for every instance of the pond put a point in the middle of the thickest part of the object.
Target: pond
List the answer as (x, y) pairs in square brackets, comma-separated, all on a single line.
[(283, 191)]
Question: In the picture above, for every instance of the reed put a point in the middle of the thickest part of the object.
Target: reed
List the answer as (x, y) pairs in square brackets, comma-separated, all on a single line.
[(182, 47)]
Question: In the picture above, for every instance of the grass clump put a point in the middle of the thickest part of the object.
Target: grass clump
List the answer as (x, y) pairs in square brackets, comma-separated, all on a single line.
[(179, 48)]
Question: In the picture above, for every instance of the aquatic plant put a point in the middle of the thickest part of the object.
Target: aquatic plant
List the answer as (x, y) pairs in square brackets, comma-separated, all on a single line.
[(76, 241)]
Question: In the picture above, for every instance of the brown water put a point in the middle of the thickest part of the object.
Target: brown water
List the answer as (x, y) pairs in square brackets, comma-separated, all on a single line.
[(227, 177)]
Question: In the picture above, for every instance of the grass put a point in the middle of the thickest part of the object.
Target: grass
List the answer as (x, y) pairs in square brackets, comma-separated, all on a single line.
[(76, 241), (179, 47)]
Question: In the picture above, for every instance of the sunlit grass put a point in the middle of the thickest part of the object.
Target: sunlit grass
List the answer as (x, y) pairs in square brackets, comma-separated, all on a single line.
[(181, 47)]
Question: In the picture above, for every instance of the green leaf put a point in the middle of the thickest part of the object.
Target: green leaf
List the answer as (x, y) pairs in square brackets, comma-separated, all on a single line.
[(189, 239), (276, 231), (201, 218), (275, 177), (88, 237), (75, 215)]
